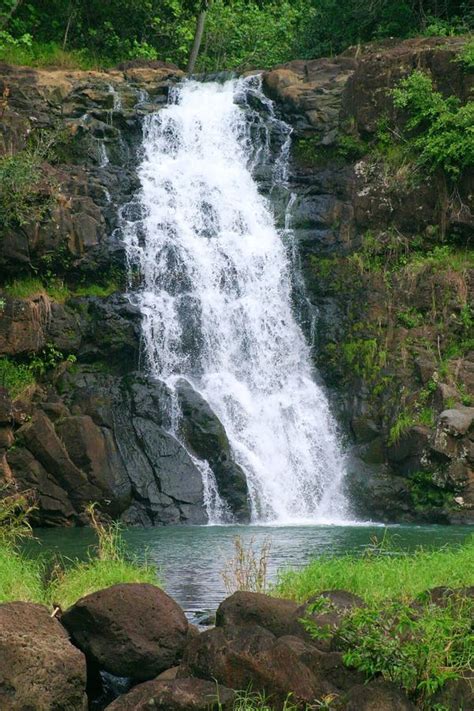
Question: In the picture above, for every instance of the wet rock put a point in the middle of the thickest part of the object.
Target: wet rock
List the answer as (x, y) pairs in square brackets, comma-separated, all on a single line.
[(39, 667), (132, 630), (207, 438), (177, 695), (378, 696)]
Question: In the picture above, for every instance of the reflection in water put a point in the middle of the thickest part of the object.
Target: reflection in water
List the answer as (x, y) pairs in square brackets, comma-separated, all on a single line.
[(191, 558)]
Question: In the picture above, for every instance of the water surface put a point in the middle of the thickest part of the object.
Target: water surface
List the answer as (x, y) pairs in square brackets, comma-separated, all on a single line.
[(191, 558)]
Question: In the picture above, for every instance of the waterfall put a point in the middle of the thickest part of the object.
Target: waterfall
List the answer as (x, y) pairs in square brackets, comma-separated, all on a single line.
[(216, 295)]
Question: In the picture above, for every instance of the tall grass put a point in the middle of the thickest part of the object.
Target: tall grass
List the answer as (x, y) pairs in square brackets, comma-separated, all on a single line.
[(381, 574), (22, 578), (247, 569)]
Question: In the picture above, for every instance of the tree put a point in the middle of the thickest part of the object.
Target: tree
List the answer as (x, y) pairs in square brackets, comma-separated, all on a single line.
[(201, 22), (7, 10)]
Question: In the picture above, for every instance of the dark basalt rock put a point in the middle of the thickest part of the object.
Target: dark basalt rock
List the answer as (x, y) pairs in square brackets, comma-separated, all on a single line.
[(207, 439), (131, 630), (39, 667)]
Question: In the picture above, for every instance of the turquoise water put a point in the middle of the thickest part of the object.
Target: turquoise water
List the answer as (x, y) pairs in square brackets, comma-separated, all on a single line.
[(191, 558)]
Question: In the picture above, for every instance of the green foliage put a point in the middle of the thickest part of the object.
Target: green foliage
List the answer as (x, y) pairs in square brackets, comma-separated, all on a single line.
[(417, 648), (22, 578), (425, 493), (336, 24), (24, 191), (364, 356), (32, 286), (466, 56), (15, 377), (410, 318), (47, 359), (97, 290), (15, 508), (440, 130), (382, 573), (259, 701), (402, 424)]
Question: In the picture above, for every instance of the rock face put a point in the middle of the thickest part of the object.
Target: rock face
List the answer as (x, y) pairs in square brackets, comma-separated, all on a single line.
[(178, 695), (393, 337), (131, 630), (39, 667), (93, 428)]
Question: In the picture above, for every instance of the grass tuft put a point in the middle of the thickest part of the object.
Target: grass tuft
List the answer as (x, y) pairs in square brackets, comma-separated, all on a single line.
[(381, 574)]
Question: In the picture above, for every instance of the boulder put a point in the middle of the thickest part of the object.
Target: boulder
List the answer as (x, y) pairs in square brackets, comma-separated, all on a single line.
[(248, 609), (133, 629), (378, 696), (456, 694), (252, 657), (40, 669), (177, 695)]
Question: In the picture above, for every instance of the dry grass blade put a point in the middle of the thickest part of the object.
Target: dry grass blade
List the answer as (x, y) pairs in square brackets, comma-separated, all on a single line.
[(248, 567)]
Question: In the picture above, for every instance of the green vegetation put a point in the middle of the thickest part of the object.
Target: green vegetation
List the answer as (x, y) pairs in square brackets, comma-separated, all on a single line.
[(425, 492), (382, 574), (419, 648), (22, 578), (237, 34), (56, 289), (401, 634), (440, 131), (25, 191), (15, 377)]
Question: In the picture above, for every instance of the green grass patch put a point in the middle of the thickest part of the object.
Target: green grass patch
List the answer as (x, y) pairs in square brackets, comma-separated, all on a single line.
[(15, 377), (95, 574), (20, 577), (382, 574), (56, 289), (98, 290), (25, 578)]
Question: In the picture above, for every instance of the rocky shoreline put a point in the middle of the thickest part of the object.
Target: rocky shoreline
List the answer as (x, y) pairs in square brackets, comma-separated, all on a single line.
[(130, 647)]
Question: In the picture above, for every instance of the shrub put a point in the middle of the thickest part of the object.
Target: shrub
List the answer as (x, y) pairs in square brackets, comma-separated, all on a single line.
[(417, 647), (440, 130), (15, 377)]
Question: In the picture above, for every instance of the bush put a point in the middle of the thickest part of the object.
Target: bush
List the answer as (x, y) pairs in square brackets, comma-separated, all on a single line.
[(418, 647), (440, 131), (15, 377)]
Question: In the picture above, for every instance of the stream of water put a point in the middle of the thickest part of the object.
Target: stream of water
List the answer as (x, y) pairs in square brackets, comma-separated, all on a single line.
[(216, 297)]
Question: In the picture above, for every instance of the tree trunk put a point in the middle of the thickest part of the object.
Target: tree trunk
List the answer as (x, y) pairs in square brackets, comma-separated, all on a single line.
[(5, 19), (201, 22)]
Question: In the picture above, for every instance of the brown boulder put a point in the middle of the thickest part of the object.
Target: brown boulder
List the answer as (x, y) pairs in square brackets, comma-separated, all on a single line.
[(378, 696), (248, 608), (177, 695), (133, 629), (252, 657), (40, 670)]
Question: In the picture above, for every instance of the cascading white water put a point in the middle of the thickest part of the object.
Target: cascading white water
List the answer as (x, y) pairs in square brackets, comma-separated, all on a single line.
[(216, 298)]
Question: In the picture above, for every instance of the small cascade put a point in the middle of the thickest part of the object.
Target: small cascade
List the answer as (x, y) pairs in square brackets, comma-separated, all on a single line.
[(217, 295)]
